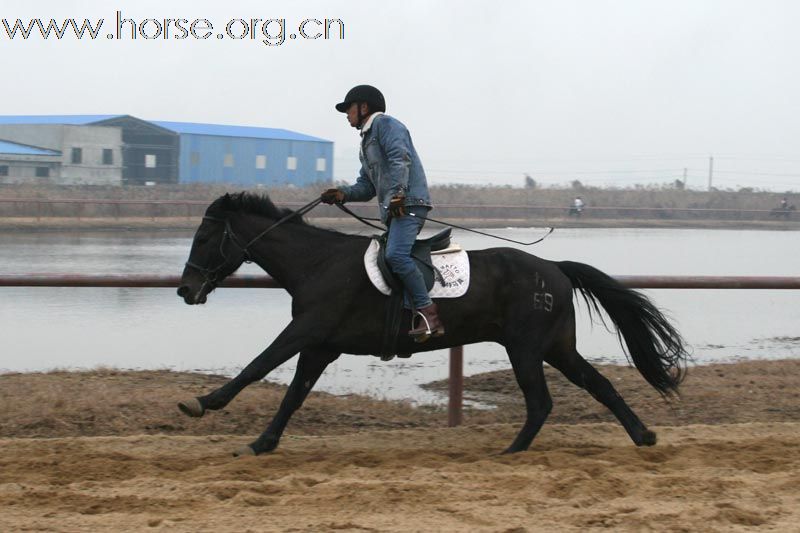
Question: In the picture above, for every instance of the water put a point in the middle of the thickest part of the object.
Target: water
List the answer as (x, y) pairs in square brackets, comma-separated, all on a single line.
[(46, 328)]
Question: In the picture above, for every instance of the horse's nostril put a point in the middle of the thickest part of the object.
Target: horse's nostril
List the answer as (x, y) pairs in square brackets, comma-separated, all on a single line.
[(183, 290)]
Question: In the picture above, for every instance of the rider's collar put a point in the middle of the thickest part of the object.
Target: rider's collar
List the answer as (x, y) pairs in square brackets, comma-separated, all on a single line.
[(368, 123)]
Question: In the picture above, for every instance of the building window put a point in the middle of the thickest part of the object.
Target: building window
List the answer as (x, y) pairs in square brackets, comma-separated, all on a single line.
[(150, 160), (320, 164), (43, 172), (77, 156), (261, 162), (108, 156), (194, 159), (228, 161), (291, 163), (3, 170)]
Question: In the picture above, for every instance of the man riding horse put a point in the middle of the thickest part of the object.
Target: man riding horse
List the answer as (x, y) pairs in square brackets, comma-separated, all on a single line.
[(391, 171)]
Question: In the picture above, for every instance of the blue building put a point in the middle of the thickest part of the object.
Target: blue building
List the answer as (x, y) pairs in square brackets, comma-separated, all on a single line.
[(21, 161), (176, 152), (248, 155)]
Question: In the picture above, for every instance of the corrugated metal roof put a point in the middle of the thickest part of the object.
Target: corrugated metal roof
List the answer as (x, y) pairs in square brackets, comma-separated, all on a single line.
[(192, 128), (77, 120), (7, 147), (235, 131)]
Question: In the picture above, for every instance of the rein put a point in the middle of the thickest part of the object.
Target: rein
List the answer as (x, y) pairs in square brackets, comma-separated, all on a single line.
[(299, 212), (366, 219), (363, 220), (210, 274)]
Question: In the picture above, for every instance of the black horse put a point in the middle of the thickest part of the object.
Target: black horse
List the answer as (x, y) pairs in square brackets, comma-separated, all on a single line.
[(516, 299)]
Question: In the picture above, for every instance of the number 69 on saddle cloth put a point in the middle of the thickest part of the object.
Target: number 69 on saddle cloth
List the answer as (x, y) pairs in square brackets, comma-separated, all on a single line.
[(452, 263)]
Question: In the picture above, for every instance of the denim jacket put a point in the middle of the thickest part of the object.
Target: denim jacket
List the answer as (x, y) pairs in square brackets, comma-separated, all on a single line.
[(390, 166)]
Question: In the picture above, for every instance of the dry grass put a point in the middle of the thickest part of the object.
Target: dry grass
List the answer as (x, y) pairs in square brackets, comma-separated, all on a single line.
[(553, 202), (114, 402), (751, 391)]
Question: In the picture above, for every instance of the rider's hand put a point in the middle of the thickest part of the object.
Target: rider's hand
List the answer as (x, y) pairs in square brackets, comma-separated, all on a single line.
[(397, 207), (332, 196)]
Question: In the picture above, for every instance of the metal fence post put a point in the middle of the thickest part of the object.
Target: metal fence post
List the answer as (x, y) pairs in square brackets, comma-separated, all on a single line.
[(456, 386)]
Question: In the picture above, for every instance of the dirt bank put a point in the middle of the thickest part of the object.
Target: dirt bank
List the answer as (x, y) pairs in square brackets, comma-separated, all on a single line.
[(356, 464), (751, 391), (114, 402)]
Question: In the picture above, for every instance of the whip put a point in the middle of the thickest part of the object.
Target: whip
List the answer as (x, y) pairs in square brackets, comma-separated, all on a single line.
[(368, 221)]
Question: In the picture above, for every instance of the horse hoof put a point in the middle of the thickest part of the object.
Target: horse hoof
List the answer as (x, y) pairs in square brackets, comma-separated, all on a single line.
[(192, 408), (244, 451), (648, 438)]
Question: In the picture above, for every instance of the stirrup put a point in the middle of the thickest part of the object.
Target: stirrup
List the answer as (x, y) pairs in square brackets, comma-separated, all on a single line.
[(423, 336), (427, 324)]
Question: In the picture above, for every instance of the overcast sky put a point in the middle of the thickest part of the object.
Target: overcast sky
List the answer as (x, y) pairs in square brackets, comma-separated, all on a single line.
[(608, 92)]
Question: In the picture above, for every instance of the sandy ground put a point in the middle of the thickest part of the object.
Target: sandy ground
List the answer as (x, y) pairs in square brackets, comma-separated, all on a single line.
[(107, 451)]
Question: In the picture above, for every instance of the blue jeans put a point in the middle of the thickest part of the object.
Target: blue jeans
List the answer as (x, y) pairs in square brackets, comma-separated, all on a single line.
[(402, 234)]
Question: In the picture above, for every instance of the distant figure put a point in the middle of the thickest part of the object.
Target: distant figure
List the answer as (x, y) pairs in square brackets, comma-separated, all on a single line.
[(784, 211), (577, 207)]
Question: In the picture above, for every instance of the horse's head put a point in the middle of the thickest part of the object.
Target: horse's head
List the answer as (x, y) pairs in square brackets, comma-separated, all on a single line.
[(216, 254)]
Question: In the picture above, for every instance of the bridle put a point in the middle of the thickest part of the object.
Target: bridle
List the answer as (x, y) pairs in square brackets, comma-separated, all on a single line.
[(210, 275)]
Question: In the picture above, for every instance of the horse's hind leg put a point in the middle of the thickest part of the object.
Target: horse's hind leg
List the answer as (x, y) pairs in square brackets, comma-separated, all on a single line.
[(310, 366), (584, 375), (529, 371)]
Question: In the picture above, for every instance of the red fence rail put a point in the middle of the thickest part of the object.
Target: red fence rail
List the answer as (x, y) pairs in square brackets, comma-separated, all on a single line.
[(456, 376), (266, 282)]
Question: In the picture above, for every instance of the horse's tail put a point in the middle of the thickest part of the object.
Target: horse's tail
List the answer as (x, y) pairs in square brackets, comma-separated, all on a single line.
[(654, 345)]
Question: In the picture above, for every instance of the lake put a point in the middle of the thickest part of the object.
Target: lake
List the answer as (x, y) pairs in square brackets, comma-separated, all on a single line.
[(71, 328)]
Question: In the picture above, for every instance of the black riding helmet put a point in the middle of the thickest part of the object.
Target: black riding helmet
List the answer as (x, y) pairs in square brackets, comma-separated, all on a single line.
[(363, 93)]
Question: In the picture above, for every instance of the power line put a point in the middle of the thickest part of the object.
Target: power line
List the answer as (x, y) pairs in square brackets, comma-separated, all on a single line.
[(548, 172), (743, 172)]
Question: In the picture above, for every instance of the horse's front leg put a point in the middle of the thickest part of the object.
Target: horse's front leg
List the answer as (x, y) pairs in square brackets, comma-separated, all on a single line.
[(291, 340), (310, 366)]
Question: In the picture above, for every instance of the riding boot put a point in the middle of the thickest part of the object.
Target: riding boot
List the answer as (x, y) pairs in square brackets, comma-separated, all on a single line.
[(428, 324)]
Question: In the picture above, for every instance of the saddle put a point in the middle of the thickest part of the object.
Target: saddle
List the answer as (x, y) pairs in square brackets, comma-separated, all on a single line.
[(421, 254)]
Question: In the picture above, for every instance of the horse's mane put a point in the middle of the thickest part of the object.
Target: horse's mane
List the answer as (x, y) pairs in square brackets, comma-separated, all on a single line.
[(260, 204), (252, 203)]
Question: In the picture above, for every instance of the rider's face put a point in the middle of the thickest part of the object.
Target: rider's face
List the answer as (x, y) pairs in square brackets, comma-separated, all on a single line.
[(352, 113)]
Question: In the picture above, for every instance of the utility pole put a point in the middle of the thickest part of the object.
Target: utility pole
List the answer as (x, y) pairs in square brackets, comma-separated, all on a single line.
[(685, 170), (710, 171)]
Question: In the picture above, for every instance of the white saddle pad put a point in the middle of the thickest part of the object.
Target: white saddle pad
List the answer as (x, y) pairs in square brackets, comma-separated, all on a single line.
[(452, 264)]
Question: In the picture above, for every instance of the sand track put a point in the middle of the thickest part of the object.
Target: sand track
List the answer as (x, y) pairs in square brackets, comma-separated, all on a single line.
[(575, 478), (108, 451)]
